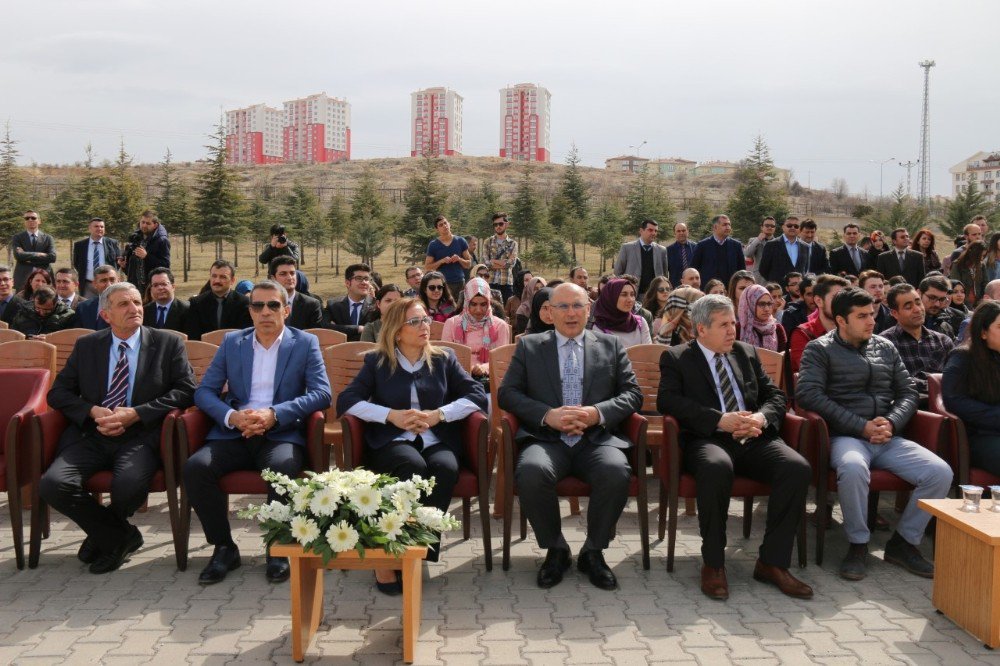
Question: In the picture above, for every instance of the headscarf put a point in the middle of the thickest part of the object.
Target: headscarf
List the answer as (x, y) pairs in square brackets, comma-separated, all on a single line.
[(477, 287), (607, 316), (753, 331), (535, 323), (536, 283), (680, 301)]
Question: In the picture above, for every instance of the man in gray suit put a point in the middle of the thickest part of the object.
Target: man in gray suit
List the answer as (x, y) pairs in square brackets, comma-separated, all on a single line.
[(571, 388), (644, 258), (32, 249)]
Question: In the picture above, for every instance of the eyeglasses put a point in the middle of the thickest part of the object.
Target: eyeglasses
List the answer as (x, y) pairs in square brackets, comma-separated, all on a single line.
[(769, 226), (765, 304), (499, 224), (566, 307), (663, 290), (418, 321), (30, 217), (361, 278), (435, 287), (936, 299), (4, 280), (258, 306)]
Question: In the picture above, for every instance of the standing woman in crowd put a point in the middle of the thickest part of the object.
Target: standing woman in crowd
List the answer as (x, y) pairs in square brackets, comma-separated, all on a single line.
[(436, 298), (613, 314), (970, 388), (524, 309), (970, 270), (39, 277), (958, 296), (714, 286), (541, 313), (384, 297), (476, 327), (656, 302), (993, 258), (739, 281), (756, 324), (877, 247), (923, 243), (675, 327)]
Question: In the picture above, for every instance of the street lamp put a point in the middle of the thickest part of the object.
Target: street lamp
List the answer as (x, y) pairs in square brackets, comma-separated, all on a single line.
[(881, 164), (638, 147)]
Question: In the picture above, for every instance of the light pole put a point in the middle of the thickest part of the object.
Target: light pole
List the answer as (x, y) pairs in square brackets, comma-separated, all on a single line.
[(881, 164), (638, 147)]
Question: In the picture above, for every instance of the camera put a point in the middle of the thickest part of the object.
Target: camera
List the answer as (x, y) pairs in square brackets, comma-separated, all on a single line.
[(135, 238), (282, 238)]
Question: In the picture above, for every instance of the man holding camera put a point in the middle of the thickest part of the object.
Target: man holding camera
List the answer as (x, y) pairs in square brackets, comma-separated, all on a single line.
[(280, 246), (147, 249)]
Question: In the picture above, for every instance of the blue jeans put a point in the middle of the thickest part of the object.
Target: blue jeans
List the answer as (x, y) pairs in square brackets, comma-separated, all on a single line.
[(854, 458)]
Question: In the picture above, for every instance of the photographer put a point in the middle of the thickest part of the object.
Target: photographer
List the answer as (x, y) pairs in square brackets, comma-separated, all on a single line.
[(148, 248), (280, 247)]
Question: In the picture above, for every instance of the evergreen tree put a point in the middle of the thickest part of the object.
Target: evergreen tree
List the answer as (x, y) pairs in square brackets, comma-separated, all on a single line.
[(647, 198), (14, 197), (81, 200), (699, 222), (571, 220), (480, 208), (337, 224), (219, 203), (756, 195), (367, 202), (902, 213), (173, 206), (605, 231), (366, 238), (528, 212), (302, 207), (126, 197), (969, 202), (425, 198)]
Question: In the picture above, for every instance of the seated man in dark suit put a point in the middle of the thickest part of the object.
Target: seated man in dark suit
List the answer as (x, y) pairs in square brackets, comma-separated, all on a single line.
[(88, 312), (10, 303), (164, 310), (67, 288), (306, 311), (115, 389), (276, 379), (220, 306), (571, 388), (347, 314), (730, 413)]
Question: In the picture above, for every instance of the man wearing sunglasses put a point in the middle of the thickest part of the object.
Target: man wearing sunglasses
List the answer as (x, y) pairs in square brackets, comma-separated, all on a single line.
[(500, 255), (32, 249), (785, 254), (219, 307), (348, 314), (276, 379)]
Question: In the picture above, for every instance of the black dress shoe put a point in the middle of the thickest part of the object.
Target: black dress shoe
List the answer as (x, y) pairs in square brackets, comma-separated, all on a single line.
[(224, 559), (89, 552), (114, 559), (277, 569), (393, 589), (557, 561), (592, 563)]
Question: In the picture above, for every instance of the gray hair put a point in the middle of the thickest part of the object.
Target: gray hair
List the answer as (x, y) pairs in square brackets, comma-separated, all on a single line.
[(105, 297), (705, 308), (104, 268), (271, 284)]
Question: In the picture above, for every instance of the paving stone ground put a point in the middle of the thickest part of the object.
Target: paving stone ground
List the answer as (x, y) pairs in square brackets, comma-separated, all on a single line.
[(150, 613)]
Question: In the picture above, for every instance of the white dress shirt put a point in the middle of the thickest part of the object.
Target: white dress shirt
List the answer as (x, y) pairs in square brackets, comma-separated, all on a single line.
[(710, 357), (265, 363)]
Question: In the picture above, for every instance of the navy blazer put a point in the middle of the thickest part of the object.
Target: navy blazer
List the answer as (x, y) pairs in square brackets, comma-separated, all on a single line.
[(675, 266), (445, 382), (706, 259), (81, 254), (775, 263), (87, 315)]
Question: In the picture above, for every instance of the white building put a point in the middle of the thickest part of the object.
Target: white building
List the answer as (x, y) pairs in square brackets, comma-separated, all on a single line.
[(435, 122), (253, 135), (317, 128), (524, 123), (985, 166)]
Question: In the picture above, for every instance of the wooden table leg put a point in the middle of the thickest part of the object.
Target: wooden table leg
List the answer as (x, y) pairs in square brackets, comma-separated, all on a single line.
[(412, 587), (307, 602)]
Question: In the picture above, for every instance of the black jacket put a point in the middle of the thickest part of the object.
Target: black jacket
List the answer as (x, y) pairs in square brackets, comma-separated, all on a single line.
[(307, 312), (81, 254), (202, 314), (913, 266), (337, 316), (177, 316), (841, 263), (29, 322), (775, 263)]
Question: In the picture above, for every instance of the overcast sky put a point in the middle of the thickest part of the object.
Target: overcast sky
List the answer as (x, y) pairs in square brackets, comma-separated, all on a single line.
[(834, 87)]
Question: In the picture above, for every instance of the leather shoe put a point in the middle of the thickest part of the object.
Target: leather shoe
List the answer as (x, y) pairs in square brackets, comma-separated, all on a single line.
[(714, 583), (277, 569), (89, 552), (224, 559), (114, 559), (393, 588), (784, 581), (557, 561), (592, 563)]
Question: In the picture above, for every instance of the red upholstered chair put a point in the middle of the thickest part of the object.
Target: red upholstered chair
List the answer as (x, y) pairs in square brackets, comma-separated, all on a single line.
[(192, 430), (958, 445), (48, 427), (24, 396), (678, 483), (473, 480), (635, 431), (927, 429)]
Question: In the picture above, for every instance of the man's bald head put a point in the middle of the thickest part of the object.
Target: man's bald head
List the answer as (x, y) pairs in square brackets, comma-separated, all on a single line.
[(992, 290)]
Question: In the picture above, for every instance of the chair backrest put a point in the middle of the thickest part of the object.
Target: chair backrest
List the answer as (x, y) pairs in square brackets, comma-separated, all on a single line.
[(200, 355), (28, 354), (328, 336), (215, 337), (3, 325), (646, 366), (462, 352), (182, 336), (499, 362), (9, 335), (18, 386), (343, 362), (774, 365), (437, 329), (64, 341)]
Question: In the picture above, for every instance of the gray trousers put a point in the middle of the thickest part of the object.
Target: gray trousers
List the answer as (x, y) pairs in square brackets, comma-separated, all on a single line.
[(854, 459)]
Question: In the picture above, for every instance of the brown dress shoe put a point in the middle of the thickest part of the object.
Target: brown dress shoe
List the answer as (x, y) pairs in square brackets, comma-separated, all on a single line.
[(714, 583), (784, 581)]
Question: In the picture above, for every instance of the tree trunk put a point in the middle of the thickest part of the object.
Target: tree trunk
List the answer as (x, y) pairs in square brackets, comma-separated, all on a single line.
[(316, 265), (336, 269), (236, 254)]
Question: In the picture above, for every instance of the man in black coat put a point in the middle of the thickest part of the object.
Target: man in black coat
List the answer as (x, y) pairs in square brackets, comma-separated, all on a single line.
[(10, 304), (849, 258), (784, 254), (152, 250), (114, 424), (348, 314), (901, 260), (91, 252), (307, 311), (220, 306), (817, 262), (165, 311), (32, 249), (730, 414)]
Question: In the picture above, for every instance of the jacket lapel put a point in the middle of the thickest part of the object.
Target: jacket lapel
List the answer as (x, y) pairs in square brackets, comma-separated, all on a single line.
[(550, 352), (590, 363), (284, 353), (246, 362), (103, 361), (702, 363), (147, 351)]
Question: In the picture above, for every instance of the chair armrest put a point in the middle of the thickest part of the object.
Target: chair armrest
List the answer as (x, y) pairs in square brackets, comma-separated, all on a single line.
[(475, 436), (926, 429), (635, 429), (795, 430), (815, 447), (319, 453), (192, 429), (49, 427), (354, 440), (670, 456)]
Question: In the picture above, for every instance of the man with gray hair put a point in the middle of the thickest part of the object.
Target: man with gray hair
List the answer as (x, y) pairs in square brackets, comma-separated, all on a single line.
[(730, 414), (115, 407)]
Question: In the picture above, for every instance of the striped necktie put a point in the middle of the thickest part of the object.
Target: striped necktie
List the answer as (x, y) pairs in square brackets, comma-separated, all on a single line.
[(118, 390), (728, 395), (572, 385)]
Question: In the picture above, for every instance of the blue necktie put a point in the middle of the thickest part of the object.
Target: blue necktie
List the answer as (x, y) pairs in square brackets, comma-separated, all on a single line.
[(118, 390), (161, 315), (355, 312), (572, 385), (97, 257)]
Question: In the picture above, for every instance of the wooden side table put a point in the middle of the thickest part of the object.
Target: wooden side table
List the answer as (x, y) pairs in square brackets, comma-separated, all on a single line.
[(967, 567), (307, 589)]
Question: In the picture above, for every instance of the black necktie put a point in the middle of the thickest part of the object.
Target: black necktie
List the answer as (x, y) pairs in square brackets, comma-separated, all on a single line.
[(855, 258), (218, 312), (902, 256), (32, 242)]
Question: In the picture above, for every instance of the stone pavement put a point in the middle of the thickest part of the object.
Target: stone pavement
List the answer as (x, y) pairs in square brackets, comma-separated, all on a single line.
[(148, 612)]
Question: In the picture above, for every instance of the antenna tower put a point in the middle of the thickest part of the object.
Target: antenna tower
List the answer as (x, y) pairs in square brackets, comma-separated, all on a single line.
[(908, 165), (925, 134)]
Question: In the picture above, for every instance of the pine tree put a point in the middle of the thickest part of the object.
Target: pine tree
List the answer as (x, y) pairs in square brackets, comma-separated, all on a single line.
[(902, 213), (14, 198), (699, 222), (303, 209), (367, 202), (81, 200), (173, 206), (126, 197), (337, 224), (219, 202), (425, 198), (481, 207), (367, 239), (575, 195), (528, 213), (647, 199), (605, 231), (969, 202), (756, 195)]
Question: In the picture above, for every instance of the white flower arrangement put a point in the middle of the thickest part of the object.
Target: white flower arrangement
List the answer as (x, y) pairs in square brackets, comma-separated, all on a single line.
[(337, 511)]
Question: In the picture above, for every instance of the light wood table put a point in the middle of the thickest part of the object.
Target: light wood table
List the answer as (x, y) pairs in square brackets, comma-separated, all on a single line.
[(307, 589), (967, 566)]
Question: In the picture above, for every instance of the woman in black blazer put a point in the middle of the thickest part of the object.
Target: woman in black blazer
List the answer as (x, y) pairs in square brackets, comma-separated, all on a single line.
[(413, 396)]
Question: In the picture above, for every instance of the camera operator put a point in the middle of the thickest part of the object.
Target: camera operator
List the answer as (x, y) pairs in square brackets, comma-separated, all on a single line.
[(280, 247), (148, 248)]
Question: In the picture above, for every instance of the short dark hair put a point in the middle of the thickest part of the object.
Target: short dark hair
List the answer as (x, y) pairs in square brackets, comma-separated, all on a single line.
[(808, 280), (848, 299), (222, 263), (406, 273), (72, 272), (162, 270), (897, 231), (896, 291), (277, 229), (438, 219), (572, 271), (825, 283), (647, 222), (935, 282), (870, 274), (789, 275), (719, 217), (150, 214), (283, 260), (500, 216), (44, 294), (808, 223), (354, 268), (96, 219), (851, 225), (767, 218)]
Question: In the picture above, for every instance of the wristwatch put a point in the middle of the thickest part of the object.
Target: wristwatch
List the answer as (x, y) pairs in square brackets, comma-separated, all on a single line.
[(441, 415)]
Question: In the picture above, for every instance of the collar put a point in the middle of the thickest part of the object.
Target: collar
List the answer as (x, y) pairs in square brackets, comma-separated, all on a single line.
[(562, 339), (644, 245), (788, 242), (709, 354), (351, 301), (924, 332), (132, 341), (807, 243), (257, 346), (165, 305), (405, 364), (99, 241), (720, 242)]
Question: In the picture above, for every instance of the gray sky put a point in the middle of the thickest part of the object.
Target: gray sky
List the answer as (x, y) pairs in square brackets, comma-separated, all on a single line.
[(832, 86)]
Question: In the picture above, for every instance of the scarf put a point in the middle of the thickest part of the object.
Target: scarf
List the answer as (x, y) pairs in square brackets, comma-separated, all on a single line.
[(680, 301), (535, 323), (536, 283), (753, 331), (607, 316)]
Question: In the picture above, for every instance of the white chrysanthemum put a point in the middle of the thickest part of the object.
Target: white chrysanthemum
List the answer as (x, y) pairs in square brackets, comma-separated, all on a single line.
[(363, 477), (305, 530), (391, 524), (430, 517), (403, 504), (366, 500), (301, 498), (325, 502), (342, 537), (279, 489), (278, 511)]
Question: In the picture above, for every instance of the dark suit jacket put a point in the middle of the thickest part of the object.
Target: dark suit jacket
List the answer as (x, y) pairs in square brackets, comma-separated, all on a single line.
[(532, 386), (775, 263), (307, 312), (202, 314), (14, 305), (841, 263), (81, 255), (338, 316), (177, 316), (28, 259), (688, 393), (818, 262), (446, 382), (163, 382), (675, 263), (87, 315), (913, 266), (707, 257)]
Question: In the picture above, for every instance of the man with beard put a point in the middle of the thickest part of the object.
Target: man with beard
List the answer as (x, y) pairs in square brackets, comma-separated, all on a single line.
[(820, 320)]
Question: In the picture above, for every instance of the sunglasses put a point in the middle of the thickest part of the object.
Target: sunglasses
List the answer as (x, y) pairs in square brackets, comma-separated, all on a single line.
[(435, 287), (483, 274), (273, 306), (418, 321), (663, 290), (30, 217), (791, 226), (499, 224)]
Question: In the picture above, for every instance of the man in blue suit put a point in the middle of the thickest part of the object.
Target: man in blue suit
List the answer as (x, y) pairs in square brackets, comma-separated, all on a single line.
[(718, 256), (276, 379), (87, 312), (680, 253)]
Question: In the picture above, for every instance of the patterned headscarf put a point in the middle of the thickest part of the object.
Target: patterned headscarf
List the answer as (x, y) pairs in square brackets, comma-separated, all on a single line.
[(753, 331), (680, 301), (607, 316), (534, 284), (477, 287)]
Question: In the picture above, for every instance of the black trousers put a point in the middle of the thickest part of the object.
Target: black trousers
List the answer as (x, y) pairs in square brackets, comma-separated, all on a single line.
[(219, 457), (715, 463), (132, 467), (543, 464), (985, 452)]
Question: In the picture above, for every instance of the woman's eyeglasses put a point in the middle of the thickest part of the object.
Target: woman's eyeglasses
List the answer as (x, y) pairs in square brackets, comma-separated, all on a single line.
[(418, 321)]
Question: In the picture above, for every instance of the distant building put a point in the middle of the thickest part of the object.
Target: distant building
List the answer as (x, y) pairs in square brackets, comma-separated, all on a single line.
[(716, 168), (626, 163), (435, 122), (317, 129), (985, 166), (253, 135), (524, 123), (670, 167)]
